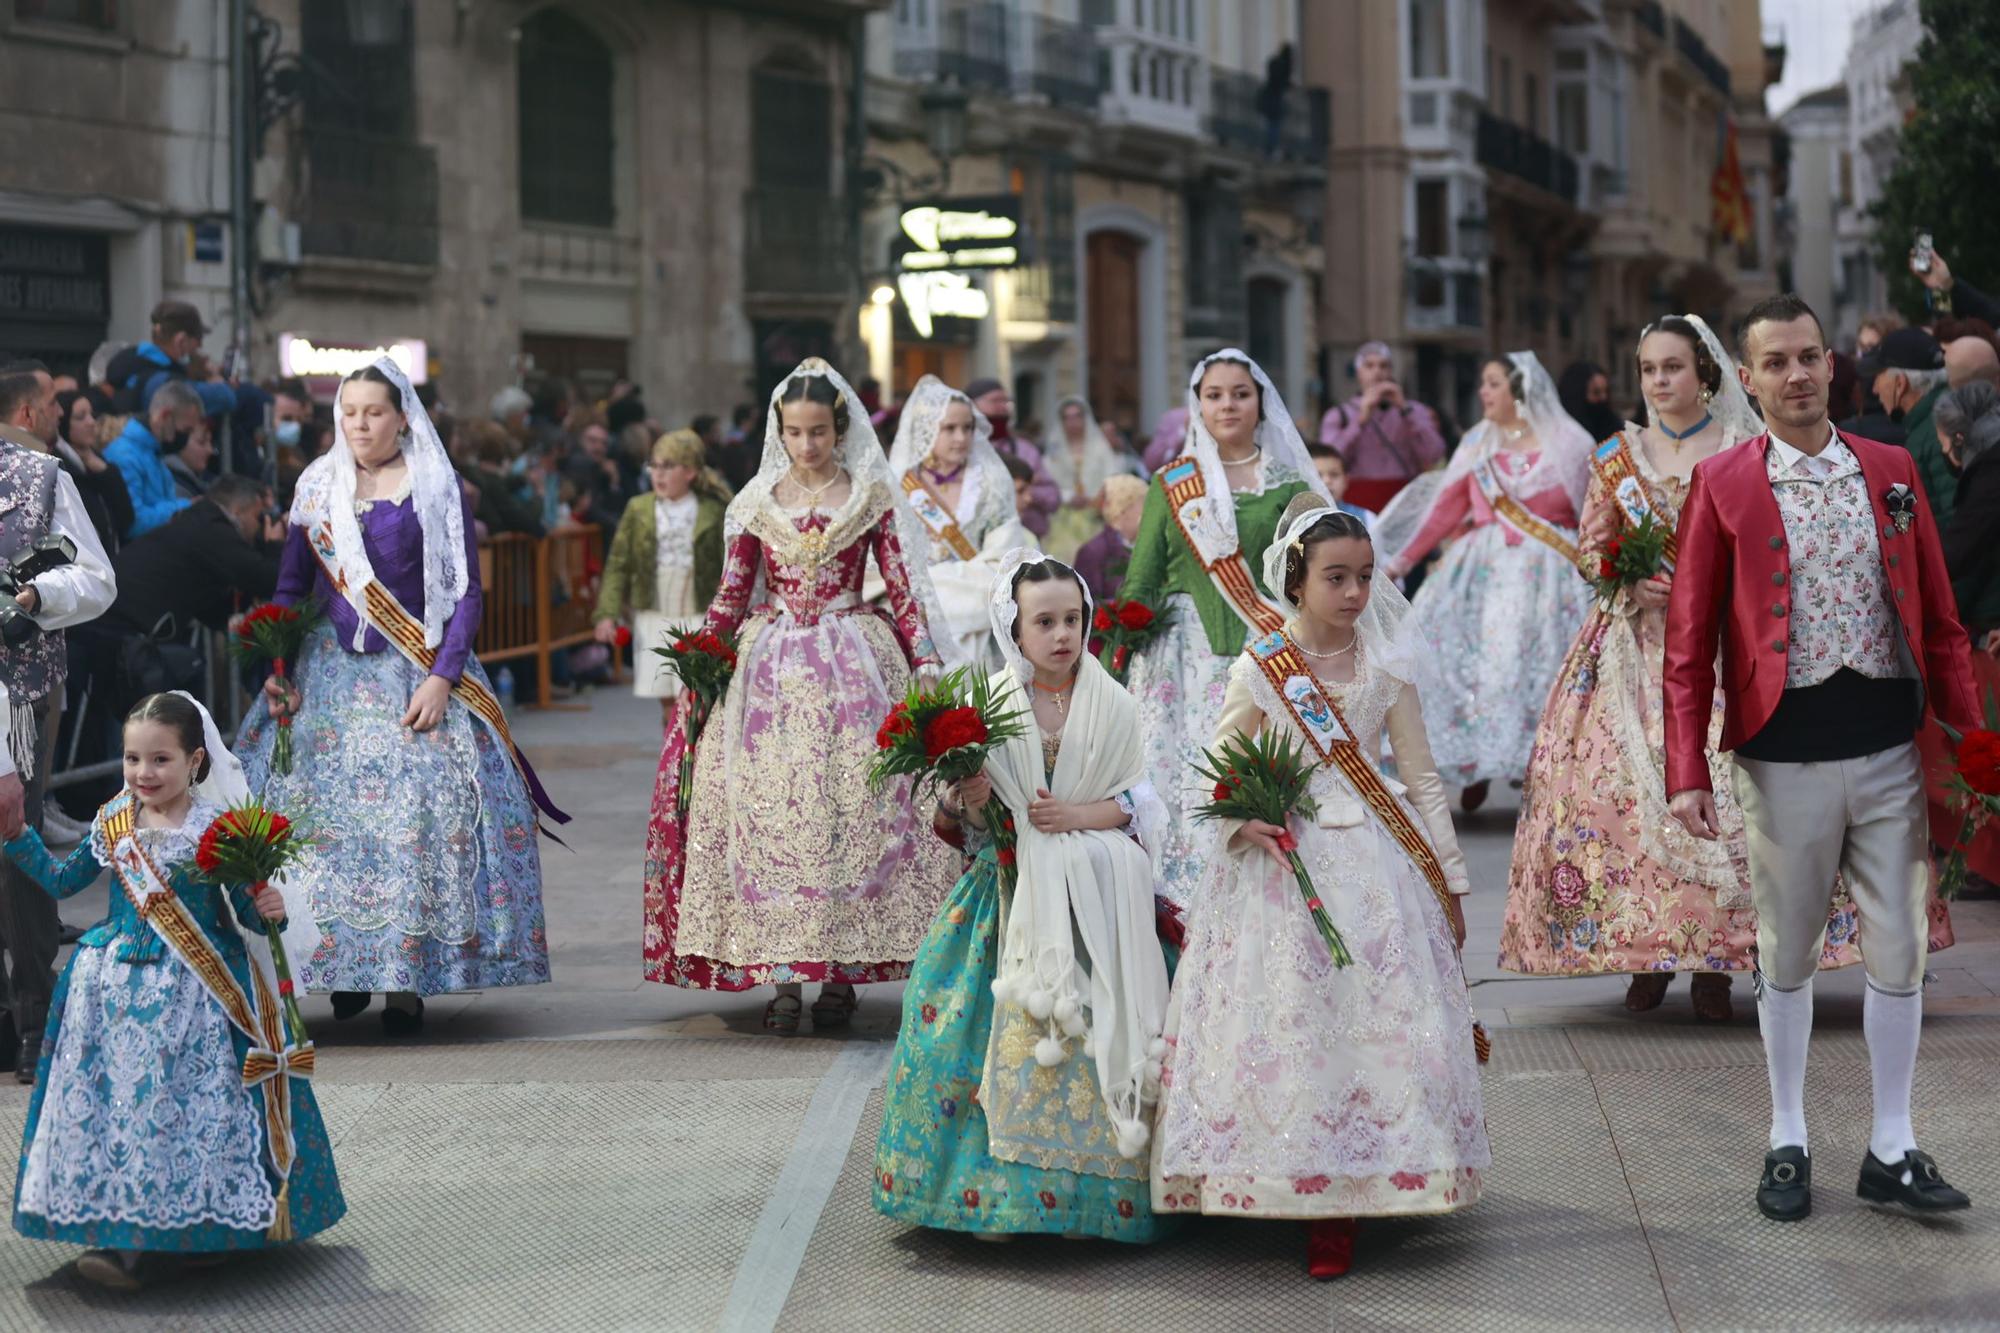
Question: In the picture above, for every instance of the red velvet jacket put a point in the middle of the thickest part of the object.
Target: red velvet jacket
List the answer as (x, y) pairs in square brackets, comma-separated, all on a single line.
[(1732, 587)]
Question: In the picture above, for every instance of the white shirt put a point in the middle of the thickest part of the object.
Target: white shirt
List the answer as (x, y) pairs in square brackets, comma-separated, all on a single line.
[(74, 593)]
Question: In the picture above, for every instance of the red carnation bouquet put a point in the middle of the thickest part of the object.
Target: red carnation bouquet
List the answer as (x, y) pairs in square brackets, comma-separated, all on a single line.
[(274, 635), (704, 661), (251, 844), (942, 735), (1120, 629), (1636, 553), (1974, 790), (1262, 778)]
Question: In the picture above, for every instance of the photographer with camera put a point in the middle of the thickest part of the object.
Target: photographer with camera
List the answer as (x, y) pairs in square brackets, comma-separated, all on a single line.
[(56, 575), (1383, 437), (214, 558)]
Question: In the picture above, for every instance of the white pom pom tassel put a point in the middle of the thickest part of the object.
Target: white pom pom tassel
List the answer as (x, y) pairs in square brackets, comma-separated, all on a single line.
[(1003, 991), (1048, 1052), (1156, 1049), (1153, 1070), (1040, 1003), (1132, 1137), (1065, 1010), (1073, 1026)]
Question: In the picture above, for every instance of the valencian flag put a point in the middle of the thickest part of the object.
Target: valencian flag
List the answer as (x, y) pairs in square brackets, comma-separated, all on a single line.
[(1729, 198)]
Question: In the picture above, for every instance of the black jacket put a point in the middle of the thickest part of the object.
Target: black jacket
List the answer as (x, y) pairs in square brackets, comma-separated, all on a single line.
[(1972, 545), (197, 566)]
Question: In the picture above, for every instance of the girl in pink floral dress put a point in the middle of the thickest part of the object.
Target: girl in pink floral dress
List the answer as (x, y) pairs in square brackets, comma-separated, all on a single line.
[(788, 868)]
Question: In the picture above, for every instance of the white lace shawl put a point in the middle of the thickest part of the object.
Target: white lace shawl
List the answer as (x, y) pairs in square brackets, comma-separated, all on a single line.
[(986, 492), (326, 493), (1277, 435)]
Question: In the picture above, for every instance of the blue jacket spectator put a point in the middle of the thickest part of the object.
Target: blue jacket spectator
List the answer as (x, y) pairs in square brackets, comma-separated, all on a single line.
[(139, 454), (137, 373)]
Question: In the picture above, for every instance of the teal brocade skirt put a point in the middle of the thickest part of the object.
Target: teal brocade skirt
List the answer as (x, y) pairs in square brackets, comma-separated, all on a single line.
[(932, 1166)]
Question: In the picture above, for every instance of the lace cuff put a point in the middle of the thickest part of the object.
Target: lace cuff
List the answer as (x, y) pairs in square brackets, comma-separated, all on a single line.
[(1146, 811)]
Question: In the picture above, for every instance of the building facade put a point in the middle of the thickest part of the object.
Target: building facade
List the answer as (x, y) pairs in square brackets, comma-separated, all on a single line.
[(1161, 162), (586, 188), (1821, 188), (1884, 42), (1542, 172)]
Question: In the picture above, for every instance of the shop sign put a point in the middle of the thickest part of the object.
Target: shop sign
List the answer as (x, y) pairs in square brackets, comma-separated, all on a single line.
[(961, 234), (54, 278), (929, 297), (310, 358)]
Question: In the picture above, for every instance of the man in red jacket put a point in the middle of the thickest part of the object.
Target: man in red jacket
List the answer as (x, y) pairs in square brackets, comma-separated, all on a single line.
[(1811, 559)]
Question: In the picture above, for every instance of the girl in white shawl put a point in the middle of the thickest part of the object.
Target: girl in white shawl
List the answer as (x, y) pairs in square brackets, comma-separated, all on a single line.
[(1506, 599), (1020, 1096), (955, 482)]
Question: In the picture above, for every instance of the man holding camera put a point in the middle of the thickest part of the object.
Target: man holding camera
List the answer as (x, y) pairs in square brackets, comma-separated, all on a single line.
[(1384, 438), (67, 582)]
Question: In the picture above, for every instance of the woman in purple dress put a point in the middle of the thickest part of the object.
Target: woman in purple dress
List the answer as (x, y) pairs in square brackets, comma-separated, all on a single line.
[(424, 875)]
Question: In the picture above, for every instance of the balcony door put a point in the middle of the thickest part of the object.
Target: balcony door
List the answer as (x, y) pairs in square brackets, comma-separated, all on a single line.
[(1111, 261)]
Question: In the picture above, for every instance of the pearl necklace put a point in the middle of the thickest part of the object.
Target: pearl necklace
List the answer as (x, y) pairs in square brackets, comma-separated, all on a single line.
[(1352, 639), (1256, 453), (1514, 433)]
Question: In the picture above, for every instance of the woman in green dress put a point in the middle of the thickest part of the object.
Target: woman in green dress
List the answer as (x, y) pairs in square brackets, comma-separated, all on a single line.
[(1020, 1098), (1196, 556)]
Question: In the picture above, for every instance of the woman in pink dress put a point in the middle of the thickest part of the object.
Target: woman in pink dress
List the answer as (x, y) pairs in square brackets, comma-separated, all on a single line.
[(788, 868), (1506, 599), (1604, 880)]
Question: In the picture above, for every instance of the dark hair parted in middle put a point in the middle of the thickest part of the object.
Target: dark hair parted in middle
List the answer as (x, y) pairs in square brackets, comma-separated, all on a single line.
[(1326, 528), (1705, 368), (1246, 368), (815, 389), (181, 715), (1046, 570)]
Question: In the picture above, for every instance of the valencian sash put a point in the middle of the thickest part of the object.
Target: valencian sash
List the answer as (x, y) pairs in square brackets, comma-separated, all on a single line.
[(930, 508), (405, 633), (1326, 729), (272, 1062), (1187, 493), (1620, 475), (1522, 519)]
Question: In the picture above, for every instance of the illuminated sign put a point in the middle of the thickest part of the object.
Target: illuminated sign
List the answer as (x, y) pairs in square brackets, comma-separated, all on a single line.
[(961, 234), (932, 296), (301, 356)]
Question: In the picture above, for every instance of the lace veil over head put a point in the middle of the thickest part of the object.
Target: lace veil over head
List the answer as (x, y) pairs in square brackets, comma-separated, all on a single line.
[(872, 490), (986, 497), (326, 494), (1563, 452), (1277, 435), (1731, 405), (1003, 609), (1393, 639)]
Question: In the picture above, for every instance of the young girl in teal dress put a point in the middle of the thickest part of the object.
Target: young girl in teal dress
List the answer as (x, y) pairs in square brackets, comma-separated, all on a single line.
[(144, 1140), (1020, 1097)]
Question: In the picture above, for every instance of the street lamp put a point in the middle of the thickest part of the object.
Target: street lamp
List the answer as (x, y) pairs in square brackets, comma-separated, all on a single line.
[(1475, 238), (946, 111)]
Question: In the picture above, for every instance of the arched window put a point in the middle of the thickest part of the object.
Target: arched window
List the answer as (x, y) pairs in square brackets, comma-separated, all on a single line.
[(565, 81)]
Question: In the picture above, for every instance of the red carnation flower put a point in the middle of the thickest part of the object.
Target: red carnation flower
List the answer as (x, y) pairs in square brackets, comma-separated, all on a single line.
[(1102, 620), (1005, 856), (205, 855), (1223, 791), (1134, 615), (623, 637), (952, 729), (1606, 569), (1979, 761), (280, 826)]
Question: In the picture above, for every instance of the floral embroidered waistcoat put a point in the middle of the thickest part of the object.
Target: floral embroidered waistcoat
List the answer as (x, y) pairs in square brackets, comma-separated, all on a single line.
[(27, 509), (1840, 612)]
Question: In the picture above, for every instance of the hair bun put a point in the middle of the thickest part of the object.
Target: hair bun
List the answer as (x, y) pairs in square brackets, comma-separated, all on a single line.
[(1303, 503)]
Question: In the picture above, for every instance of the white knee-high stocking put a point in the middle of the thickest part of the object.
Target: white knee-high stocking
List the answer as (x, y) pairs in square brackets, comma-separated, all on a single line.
[(1785, 1018), (1892, 1024)]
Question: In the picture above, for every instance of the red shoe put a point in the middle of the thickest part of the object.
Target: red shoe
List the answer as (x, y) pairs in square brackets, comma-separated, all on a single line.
[(1330, 1247)]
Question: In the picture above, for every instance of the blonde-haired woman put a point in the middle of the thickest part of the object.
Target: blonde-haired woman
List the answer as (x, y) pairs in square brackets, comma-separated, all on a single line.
[(665, 561)]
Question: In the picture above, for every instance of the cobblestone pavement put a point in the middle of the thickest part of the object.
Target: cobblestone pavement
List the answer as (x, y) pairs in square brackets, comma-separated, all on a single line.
[(600, 1153)]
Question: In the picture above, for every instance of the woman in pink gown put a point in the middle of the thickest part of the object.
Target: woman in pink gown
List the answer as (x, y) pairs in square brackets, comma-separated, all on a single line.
[(789, 868)]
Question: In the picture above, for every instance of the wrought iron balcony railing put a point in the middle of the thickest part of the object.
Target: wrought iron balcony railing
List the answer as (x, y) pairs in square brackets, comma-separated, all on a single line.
[(369, 197)]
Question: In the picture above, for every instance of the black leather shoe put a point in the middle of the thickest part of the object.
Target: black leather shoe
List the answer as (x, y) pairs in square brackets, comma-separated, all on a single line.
[(348, 1003), (1882, 1183), (25, 1062), (402, 1022), (1785, 1192)]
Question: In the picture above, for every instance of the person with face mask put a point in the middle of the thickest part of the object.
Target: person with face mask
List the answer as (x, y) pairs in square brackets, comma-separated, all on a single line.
[(140, 454), (1906, 372)]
